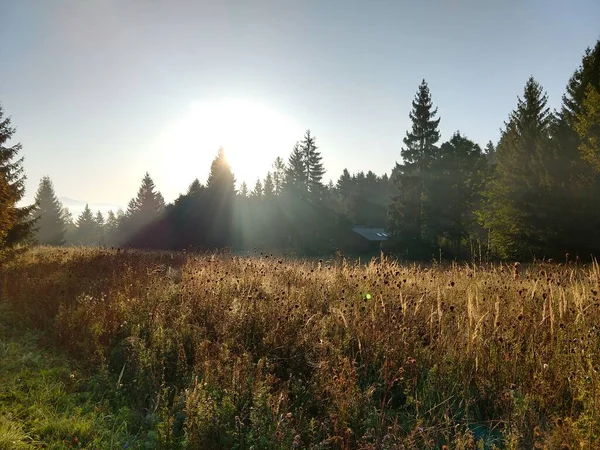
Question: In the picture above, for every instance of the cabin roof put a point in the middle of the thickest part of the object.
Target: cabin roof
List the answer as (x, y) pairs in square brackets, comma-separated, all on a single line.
[(371, 234)]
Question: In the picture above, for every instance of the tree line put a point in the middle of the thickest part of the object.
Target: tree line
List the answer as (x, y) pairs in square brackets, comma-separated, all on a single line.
[(533, 194)]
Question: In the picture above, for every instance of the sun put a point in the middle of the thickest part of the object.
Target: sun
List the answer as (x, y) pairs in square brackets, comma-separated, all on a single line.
[(251, 133)]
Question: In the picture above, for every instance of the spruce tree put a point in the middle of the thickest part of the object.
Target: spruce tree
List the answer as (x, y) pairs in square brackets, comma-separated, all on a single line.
[(221, 196), (409, 211), (195, 188), (111, 228), (296, 177), (257, 192), (278, 175), (454, 194), (313, 166), (268, 186), (70, 227), (148, 203), (19, 221), (86, 228), (243, 192), (519, 198), (50, 224), (100, 231), (7, 209)]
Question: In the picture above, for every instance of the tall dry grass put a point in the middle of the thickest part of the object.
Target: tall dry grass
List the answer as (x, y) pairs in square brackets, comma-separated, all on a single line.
[(227, 352)]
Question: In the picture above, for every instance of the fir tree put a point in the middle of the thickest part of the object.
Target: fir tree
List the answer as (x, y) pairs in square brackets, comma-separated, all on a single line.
[(454, 194), (100, 231), (490, 153), (195, 188), (50, 225), (269, 186), (519, 198), (296, 177), (313, 165), (70, 227), (257, 192), (111, 228), (587, 125), (243, 192), (148, 203), (221, 195), (279, 172), (409, 211), (86, 228), (8, 213), (18, 220)]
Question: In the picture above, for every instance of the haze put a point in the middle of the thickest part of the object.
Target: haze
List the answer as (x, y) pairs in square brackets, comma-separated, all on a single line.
[(102, 91)]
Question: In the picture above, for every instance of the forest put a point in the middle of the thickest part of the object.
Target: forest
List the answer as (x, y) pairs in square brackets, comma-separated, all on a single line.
[(530, 196)]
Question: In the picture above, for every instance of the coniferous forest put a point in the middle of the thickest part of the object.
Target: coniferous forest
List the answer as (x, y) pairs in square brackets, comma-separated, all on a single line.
[(531, 195)]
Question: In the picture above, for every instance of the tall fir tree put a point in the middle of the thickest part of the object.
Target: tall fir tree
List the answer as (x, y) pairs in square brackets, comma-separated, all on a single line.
[(86, 228), (410, 211), (100, 230), (243, 192), (313, 162), (268, 186), (519, 198), (70, 227), (19, 221), (50, 224), (278, 175), (111, 228), (221, 196), (296, 179), (142, 210), (257, 192)]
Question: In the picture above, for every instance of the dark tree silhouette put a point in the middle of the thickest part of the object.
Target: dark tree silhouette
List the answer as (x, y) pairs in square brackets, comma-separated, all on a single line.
[(409, 212), (86, 228), (50, 223)]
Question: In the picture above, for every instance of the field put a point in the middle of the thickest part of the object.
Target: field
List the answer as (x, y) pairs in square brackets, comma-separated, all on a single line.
[(174, 350)]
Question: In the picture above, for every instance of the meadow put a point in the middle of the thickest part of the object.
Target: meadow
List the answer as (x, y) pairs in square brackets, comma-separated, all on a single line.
[(177, 350)]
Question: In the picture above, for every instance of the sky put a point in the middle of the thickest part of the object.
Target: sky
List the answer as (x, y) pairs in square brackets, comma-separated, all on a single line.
[(102, 91)]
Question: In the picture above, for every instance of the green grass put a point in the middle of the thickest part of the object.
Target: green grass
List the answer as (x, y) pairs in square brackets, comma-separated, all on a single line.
[(44, 400)]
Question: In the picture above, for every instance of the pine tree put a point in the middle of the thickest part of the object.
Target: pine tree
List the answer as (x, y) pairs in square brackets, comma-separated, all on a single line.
[(19, 224), (70, 227), (111, 228), (243, 190), (296, 178), (575, 209), (490, 153), (269, 186), (7, 210), (455, 191), (100, 231), (86, 228), (519, 198), (221, 196), (279, 172), (587, 125), (257, 192), (313, 164), (148, 204), (50, 225), (195, 188), (410, 212)]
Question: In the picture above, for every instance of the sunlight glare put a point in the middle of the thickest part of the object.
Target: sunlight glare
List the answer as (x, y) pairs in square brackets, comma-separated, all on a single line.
[(252, 134)]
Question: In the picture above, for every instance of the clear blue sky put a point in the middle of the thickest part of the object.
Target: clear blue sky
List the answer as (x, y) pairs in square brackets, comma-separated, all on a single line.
[(96, 87)]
